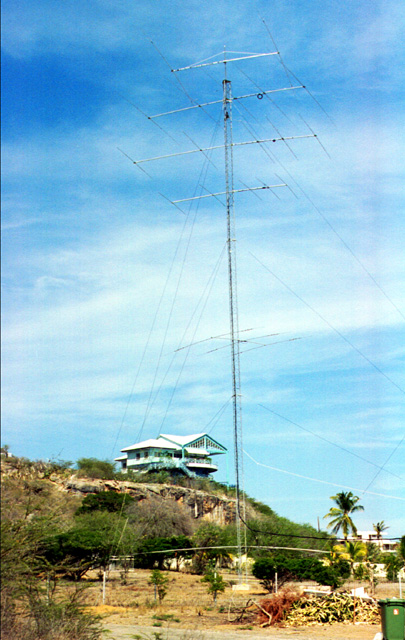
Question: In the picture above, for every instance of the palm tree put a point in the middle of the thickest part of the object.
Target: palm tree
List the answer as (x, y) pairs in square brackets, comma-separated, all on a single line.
[(355, 552), (341, 514), (379, 528)]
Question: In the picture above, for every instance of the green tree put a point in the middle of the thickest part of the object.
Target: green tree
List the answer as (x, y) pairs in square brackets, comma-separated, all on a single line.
[(93, 468), (160, 582), (289, 568), (394, 562), (213, 538), (105, 501), (152, 552), (393, 565), (216, 583), (273, 530), (355, 552), (265, 570), (340, 516), (401, 551), (90, 543)]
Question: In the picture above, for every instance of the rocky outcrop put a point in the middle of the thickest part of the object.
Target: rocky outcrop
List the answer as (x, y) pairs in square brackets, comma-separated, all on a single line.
[(218, 509), (202, 505)]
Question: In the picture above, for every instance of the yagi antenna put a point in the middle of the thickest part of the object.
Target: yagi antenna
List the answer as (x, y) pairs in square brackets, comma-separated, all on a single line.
[(222, 193), (225, 61), (258, 94), (222, 146)]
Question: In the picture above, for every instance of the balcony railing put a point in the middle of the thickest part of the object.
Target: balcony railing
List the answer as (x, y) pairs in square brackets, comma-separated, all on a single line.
[(171, 461), (200, 463)]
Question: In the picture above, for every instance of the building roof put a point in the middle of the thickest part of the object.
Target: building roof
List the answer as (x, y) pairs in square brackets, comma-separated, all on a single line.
[(153, 442), (182, 440), (176, 443), (189, 442)]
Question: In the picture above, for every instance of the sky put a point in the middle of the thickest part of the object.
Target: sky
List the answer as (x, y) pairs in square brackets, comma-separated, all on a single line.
[(114, 298)]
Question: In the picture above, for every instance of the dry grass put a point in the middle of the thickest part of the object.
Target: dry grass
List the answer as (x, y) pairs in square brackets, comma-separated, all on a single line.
[(186, 605)]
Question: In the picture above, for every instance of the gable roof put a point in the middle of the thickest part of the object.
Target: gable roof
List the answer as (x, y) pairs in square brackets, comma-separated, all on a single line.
[(212, 445), (168, 441), (153, 442), (182, 440)]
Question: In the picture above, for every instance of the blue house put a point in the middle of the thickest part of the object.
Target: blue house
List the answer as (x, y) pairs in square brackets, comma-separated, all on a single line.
[(189, 455)]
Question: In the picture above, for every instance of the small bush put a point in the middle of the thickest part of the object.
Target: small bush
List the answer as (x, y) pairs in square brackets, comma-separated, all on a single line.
[(97, 469), (159, 581), (215, 581), (49, 621)]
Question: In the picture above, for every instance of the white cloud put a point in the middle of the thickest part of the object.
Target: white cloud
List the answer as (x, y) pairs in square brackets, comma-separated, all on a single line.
[(88, 243)]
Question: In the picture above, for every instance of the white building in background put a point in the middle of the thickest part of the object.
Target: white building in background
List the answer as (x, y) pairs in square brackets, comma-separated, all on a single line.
[(188, 455), (371, 536)]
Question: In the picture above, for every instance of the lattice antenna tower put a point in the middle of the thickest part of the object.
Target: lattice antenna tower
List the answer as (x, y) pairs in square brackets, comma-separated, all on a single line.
[(228, 146)]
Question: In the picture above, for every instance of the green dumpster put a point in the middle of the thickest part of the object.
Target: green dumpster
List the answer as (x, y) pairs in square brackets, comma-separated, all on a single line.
[(393, 618)]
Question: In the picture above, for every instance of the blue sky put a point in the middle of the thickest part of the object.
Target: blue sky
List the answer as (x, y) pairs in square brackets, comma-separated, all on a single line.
[(103, 279)]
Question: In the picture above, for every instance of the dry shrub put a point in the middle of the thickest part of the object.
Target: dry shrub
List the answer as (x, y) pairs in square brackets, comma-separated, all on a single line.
[(277, 606), (48, 621), (157, 517)]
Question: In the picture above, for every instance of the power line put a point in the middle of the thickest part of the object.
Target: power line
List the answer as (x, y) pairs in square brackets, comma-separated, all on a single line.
[(330, 325), (202, 178), (232, 546), (334, 444), (382, 468), (333, 484), (343, 241)]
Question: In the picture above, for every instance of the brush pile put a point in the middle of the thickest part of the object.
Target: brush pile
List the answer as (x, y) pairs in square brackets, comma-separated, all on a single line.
[(336, 607), (274, 608)]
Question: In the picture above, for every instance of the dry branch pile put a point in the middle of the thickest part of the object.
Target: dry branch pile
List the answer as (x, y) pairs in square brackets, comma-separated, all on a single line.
[(274, 608), (336, 607)]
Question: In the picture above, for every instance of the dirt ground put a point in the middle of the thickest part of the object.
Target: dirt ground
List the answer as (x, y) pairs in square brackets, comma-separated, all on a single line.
[(335, 632), (189, 613)]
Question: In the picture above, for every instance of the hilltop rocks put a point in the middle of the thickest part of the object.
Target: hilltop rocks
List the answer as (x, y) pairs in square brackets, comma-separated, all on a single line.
[(201, 505), (220, 510)]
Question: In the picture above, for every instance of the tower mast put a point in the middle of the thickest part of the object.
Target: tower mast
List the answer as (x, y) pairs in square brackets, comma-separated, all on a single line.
[(228, 145), (233, 309)]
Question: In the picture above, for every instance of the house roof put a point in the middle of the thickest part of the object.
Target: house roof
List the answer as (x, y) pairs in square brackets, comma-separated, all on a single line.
[(169, 441), (153, 442), (182, 440)]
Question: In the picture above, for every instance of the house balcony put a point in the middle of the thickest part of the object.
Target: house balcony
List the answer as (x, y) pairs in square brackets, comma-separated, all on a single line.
[(191, 465), (203, 464)]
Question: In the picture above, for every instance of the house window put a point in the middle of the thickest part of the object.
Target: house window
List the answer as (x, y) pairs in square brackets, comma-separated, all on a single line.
[(146, 454), (138, 455)]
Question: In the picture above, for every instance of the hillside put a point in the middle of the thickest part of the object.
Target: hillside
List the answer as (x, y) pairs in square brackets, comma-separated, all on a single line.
[(49, 487), (23, 478)]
